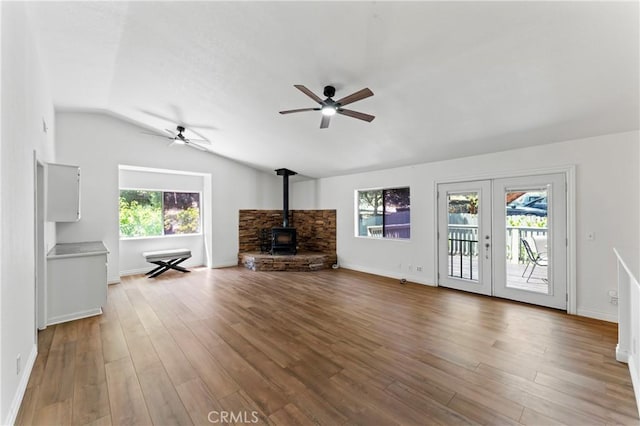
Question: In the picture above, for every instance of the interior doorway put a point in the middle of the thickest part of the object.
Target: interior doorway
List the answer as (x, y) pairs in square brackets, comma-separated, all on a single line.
[(506, 238)]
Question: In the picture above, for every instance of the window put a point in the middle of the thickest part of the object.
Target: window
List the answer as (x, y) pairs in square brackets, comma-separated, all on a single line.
[(384, 213), (156, 213)]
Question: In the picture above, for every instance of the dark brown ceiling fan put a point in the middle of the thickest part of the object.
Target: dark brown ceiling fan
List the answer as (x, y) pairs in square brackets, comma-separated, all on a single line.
[(329, 107), (178, 137)]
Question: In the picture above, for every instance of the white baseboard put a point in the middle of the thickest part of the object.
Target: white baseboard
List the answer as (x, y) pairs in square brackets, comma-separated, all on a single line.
[(136, 271), (604, 316), (384, 273), (145, 270), (22, 387), (635, 380), (74, 316), (622, 356), (150, 267)]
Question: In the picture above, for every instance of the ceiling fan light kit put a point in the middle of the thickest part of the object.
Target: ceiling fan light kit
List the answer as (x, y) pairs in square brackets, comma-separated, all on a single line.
[(328, 110), (329, 107)]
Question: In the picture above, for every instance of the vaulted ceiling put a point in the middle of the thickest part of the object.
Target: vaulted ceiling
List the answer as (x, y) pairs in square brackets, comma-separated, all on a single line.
[(450, 79)]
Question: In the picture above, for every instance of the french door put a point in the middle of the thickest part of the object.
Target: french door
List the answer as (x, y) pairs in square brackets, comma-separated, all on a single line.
[(505, 238), (464, 236)]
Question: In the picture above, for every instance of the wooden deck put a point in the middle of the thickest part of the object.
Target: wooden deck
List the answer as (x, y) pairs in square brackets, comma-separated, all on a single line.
[(333, 347), (536, 284)]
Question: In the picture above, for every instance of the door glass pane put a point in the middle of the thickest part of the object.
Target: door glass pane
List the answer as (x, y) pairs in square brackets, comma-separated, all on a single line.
[(463, 235), (527, 231)]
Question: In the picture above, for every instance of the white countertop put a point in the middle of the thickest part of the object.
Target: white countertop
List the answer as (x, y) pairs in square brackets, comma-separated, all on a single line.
[(89, 248)]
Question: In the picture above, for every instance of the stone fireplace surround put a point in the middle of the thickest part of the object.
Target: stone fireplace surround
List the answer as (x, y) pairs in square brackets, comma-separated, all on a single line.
[(316, 239)]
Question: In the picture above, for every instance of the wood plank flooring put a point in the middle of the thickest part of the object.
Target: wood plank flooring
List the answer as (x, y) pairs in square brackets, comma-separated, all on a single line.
[(231, 346)]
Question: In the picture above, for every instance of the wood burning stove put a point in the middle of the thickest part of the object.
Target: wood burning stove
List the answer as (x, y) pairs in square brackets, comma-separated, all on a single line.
[(283, 240)]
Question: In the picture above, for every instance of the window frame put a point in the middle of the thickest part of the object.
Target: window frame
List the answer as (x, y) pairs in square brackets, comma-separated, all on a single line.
[(162, 192), (357, 213)]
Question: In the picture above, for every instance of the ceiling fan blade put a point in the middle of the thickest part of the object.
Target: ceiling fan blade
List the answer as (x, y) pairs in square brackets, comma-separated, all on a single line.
[(158, 135), (185, 124), (200, 135), (299, 110), (201, 141), (156, 115), (360, 94), (324, 123), (196, 146), (177, 112), (308, 92), (356, 114)]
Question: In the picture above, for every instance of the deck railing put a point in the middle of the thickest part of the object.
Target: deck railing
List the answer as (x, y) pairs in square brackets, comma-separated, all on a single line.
[(459, 234), (399, 230), (463, 247), (458, 258)]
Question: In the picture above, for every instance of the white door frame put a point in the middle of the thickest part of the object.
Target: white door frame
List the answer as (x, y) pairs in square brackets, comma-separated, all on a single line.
[(569, 172), (40, 267)]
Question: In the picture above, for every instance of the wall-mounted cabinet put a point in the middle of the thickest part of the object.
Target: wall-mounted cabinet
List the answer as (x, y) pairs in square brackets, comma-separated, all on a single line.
[(63, 193)]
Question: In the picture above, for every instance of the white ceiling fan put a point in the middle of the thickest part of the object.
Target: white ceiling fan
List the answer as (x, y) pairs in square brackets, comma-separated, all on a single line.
[(177, 137)]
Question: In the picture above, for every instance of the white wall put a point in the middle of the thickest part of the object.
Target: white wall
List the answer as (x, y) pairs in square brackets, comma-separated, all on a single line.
[(131, 260), (98, 143), (607, 203), (25, 103)]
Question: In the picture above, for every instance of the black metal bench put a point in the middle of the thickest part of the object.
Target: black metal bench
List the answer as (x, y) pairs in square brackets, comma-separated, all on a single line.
[(166, 259)]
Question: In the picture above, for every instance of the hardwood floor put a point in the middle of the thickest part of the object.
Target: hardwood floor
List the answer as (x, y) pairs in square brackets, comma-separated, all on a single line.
[(329, 347)]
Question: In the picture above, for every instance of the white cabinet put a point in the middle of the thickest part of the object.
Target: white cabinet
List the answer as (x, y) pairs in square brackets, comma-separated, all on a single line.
[(76, 281), (63, 193)]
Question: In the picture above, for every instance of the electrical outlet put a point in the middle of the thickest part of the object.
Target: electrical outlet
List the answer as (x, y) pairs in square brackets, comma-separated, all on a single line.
[(18, 364), (410, 267), (419, 268), (591, 236)]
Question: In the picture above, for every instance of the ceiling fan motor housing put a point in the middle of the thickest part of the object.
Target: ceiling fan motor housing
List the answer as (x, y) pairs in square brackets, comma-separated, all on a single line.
[(329, 91)]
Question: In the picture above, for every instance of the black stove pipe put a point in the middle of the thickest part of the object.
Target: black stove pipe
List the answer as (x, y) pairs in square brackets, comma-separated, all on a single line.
[(285, 173)]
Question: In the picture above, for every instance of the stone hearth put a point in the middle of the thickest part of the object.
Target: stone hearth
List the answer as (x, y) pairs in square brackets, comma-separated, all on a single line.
[(316, 240), (301, 262)]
